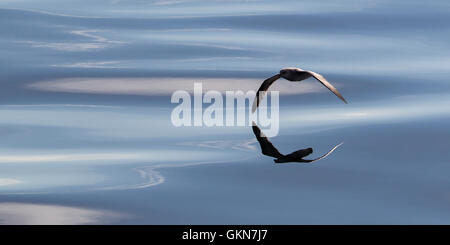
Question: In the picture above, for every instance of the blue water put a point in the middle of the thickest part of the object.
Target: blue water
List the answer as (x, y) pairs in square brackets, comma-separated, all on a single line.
[(86, 136)]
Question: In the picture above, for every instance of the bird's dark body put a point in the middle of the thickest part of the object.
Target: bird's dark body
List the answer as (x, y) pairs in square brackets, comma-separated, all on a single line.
[(294, 74)]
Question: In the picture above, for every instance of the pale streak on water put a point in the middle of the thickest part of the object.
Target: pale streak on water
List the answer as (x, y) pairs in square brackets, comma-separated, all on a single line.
[(85, 140)]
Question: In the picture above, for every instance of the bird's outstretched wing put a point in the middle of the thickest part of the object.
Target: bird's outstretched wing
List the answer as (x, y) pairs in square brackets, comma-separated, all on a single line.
[(266, 146), (299, 153), (325, 83), (264, 86), (325, 155)]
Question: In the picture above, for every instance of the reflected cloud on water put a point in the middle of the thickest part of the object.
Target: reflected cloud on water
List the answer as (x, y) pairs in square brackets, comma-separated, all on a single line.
[(43, 214)]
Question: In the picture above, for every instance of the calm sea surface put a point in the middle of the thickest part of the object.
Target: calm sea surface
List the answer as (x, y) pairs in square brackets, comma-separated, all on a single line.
[(86, 135)]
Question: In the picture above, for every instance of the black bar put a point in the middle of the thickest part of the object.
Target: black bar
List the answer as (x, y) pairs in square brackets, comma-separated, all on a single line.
[(230, 234)]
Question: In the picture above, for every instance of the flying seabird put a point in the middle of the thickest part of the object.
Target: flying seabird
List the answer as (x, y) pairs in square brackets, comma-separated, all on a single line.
[(268, 149), (293, 74)]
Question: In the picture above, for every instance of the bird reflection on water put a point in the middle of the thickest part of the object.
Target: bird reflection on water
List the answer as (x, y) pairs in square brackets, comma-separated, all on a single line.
[(268, 149)]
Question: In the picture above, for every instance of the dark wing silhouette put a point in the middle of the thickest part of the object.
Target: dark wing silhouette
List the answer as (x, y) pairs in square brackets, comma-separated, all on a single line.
[(325, 155), (328, 85), (266, 146), (299, 154), (264, 86)]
